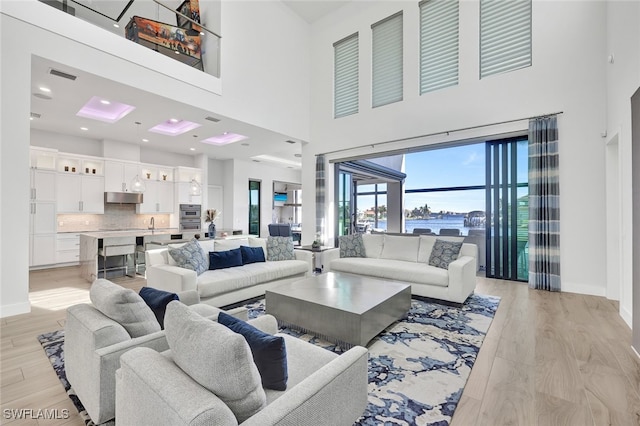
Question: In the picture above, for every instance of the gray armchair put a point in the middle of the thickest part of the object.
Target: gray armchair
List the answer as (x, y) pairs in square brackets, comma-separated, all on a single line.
[(323, 388), (94, 341)]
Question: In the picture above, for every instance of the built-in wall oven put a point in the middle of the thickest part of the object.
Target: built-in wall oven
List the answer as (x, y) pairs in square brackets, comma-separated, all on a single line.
[(190, 217)]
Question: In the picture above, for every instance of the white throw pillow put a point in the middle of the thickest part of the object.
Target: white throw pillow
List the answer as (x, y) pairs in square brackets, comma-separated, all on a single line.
[(234, 243), (373, 245), (258, 242), (400, 248), (215, 357)]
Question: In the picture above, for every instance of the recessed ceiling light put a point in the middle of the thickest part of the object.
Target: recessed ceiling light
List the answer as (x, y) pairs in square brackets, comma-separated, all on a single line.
[(173, 120), (84, 128), (105, 102), (116, 25), (31, 118), (44, 89), (145, 140), (201, 33), (192, 149), (225, 133)]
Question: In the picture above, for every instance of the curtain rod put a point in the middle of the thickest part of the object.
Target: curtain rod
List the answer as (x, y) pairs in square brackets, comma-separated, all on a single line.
[(446, 132)]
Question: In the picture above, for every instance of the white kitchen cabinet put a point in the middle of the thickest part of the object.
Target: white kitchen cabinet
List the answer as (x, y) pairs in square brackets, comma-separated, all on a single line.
[(185, 196), (118, 175), (80, 194), (157, 198), (42, 249), (42, 218), (43, 185), (67, 248)]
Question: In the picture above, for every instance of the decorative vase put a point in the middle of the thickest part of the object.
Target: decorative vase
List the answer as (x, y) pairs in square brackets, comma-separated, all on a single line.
[(212, 230)]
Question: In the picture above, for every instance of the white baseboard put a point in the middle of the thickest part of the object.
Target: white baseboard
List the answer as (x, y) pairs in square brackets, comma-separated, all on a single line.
[(592, 290), (15, 309), (626, 316)]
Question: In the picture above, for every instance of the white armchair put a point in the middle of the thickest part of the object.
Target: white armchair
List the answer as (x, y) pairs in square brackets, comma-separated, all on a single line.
[(94, 343)]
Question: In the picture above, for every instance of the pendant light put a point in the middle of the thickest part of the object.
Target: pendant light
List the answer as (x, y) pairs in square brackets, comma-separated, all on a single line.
[(137, 185), (195, 188)]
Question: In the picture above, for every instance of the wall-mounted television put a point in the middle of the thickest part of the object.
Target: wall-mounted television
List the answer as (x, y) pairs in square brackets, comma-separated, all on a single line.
[(279, 198)]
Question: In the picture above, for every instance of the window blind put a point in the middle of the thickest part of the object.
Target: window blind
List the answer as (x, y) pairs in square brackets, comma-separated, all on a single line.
[(345, 96), (387, 60), (505, 36), (439, 28)]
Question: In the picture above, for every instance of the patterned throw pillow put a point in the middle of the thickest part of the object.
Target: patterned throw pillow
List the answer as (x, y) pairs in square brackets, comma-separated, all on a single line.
[(280, 248), (351, 246), (444, 252), (190, 256)]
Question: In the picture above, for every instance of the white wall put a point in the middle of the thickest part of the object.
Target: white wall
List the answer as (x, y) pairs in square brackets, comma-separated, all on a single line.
[(258, 71), (66, 143), (568, 74), (623, 79), (238, 186)]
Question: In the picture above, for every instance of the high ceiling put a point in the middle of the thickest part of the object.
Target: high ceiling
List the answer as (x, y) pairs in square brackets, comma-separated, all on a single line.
[(66, 97), (58, 108)]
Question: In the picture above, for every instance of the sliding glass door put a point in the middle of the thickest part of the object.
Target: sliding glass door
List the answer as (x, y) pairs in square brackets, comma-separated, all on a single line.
[(345, 202), (507, 204), (254, 207)]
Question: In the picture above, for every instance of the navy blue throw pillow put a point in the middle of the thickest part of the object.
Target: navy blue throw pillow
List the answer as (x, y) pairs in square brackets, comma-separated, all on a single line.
[(225, 259), (269, 352), (252, 254), (157, 301)]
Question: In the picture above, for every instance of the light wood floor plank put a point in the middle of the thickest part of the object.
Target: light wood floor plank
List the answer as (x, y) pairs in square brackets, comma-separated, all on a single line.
[(548, 358)]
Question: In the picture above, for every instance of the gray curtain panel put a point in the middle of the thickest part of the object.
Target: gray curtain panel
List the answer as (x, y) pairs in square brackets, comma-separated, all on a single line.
[(544, 204), (320, 196)]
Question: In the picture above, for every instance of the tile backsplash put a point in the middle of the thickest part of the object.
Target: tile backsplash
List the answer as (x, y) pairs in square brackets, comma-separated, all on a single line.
[(115, 217)]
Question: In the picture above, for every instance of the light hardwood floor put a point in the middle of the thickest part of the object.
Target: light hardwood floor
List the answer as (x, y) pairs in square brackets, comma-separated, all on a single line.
[(548, 358)]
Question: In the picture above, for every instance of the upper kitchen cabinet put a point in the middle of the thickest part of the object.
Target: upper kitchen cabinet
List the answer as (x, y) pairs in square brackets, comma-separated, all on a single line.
[(80, 194), (43, 158), (185, 177), (119, 174), (158, 196), (80, 184)]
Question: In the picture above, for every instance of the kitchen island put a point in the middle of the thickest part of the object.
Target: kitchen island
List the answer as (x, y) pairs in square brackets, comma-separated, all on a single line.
[(92, 243)]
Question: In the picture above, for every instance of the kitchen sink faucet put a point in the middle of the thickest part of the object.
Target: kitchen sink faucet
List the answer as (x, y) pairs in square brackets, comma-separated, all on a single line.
[(152, 223)]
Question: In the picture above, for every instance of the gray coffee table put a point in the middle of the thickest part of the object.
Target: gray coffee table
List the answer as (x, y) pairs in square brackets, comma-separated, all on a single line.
[(344, 308)]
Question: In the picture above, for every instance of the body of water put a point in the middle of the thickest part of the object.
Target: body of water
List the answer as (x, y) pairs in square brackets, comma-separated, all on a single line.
[(456, 222)]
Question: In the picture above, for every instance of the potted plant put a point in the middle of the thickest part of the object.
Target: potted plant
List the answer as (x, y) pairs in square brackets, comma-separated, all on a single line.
[(315, 245), (212, 215)]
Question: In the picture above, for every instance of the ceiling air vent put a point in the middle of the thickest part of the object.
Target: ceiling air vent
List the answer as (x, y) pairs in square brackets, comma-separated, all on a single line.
[(35, 115), (210, 118), (290, 141), (62, 74)]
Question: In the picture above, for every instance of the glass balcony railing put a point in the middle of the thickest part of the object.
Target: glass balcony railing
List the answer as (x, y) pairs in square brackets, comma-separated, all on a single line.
[(186, 34)]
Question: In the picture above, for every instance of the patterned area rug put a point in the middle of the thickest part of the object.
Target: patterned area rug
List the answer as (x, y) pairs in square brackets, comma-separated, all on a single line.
[(417, 367)]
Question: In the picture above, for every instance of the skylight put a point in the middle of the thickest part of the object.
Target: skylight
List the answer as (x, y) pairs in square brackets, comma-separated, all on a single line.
[(225, 138), (110, 112), (174, 127)]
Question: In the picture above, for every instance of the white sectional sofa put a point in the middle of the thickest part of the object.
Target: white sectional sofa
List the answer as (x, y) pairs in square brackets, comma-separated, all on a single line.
[(222, 287), (406, 258)]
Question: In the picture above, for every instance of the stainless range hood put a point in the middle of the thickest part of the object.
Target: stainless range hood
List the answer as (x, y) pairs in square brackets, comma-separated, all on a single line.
[(123, 197)]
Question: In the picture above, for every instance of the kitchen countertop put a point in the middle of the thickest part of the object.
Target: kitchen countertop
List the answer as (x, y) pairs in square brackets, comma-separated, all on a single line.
[(132, 232)]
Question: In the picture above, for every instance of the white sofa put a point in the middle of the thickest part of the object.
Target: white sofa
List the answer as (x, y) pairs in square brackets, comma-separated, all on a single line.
[(406, 258), (222, 287)]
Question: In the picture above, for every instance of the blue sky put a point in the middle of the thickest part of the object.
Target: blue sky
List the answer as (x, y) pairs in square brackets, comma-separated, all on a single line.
[(448, 167)]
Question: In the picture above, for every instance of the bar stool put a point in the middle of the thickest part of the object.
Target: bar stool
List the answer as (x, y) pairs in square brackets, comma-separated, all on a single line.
[(124, 251)]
